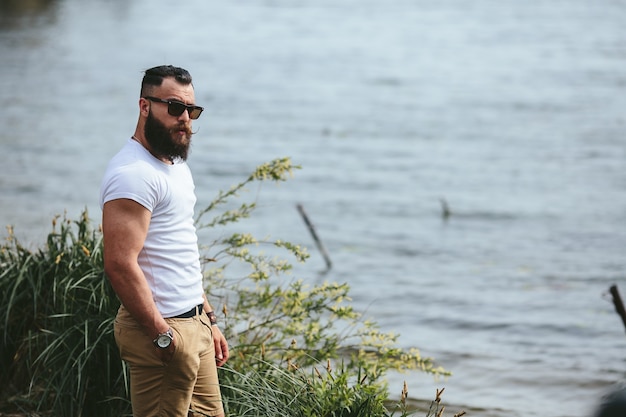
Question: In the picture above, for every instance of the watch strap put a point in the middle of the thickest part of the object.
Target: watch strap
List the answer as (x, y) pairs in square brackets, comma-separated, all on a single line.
[(212, 318)]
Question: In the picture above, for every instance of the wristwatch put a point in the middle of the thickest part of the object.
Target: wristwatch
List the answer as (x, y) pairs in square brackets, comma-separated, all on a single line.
[(164, 340)]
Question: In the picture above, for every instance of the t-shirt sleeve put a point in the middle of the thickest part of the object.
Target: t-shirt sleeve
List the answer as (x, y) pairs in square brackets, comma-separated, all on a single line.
[(130, 183)]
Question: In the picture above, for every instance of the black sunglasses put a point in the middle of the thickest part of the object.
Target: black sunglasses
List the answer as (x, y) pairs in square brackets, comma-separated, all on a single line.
[(176, 108)]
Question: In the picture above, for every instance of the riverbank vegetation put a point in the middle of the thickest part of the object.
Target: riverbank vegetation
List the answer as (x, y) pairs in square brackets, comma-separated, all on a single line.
[(296, 349)]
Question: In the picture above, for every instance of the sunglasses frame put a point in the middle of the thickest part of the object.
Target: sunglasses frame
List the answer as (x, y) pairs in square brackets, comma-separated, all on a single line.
[(193, 111)]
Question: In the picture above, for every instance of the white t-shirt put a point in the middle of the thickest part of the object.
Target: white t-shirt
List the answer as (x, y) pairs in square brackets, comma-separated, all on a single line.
[(169, 259)]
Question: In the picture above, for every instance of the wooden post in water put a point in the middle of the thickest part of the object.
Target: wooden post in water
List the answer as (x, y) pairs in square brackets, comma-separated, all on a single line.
[(617, 301), (318, 242)]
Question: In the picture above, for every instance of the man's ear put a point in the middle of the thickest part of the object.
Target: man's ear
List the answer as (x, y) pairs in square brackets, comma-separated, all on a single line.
[(144, 107)]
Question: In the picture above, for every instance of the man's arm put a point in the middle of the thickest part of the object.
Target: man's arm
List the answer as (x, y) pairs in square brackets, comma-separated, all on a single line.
[(125, 227), (221, 346)]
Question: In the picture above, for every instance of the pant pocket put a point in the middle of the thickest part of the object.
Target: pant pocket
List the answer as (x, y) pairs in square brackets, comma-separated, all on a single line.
[(135, 347)]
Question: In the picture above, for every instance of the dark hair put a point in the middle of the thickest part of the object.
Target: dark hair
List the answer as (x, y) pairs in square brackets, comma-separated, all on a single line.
[(154, 77)]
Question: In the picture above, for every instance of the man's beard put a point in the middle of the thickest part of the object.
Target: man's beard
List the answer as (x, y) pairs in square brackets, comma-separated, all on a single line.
[(161, 141)]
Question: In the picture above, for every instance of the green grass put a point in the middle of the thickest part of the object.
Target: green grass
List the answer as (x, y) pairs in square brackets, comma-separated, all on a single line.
[(58, 355), (56, 351)]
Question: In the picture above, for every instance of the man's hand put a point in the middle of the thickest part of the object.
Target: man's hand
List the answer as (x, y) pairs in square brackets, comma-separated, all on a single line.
[(221, 347), (166, 354)]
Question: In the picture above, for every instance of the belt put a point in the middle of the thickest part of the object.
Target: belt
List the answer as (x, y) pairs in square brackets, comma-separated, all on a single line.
[(196, 311)]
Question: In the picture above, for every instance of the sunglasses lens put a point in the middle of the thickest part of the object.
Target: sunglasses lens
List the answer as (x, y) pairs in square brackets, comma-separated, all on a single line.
[(175, 109), (195, 112)]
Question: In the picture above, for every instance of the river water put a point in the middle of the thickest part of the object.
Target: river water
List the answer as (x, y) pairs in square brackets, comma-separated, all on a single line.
[(512, 112)]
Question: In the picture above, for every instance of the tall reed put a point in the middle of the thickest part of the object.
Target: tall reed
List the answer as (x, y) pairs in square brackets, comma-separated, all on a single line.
[(57, 314)]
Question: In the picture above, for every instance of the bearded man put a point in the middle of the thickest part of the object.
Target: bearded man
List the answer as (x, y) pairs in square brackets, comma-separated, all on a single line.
[(165, 328)]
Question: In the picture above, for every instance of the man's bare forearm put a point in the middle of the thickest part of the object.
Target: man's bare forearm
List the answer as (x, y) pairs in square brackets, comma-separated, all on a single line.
[(132, 289)]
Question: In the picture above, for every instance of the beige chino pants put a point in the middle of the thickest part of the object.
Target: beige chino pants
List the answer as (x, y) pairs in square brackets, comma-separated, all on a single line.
[(187, 385)]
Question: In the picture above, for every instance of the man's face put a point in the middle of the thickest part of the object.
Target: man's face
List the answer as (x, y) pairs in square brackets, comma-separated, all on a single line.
[(169, 136), (169, 142)]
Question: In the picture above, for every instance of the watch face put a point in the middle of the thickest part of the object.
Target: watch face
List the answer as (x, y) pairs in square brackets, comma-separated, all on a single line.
[(163, 341)]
